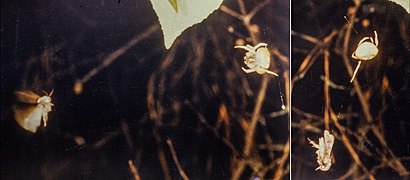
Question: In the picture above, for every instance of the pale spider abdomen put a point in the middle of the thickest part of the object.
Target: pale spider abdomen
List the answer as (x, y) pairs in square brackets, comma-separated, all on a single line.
[(366, 51)]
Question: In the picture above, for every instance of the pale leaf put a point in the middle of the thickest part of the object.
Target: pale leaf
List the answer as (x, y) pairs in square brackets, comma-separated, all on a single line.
[(175, 18)]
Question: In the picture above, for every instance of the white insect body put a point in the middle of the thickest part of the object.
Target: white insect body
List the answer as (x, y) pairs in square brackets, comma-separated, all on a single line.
[(324, 151), (257, 59), (365, 51), (34, 109)]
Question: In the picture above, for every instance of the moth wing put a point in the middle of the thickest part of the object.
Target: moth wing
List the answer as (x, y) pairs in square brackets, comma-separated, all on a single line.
[(29, 118), (329, 140), (27, 97), (322, 148)]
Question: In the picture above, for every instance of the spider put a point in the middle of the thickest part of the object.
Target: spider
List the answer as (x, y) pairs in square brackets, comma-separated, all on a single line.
[(365, 51), (257, 59)]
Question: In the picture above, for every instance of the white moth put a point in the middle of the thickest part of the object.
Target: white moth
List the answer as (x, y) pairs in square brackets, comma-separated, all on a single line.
[(32, 109), (324, 151)]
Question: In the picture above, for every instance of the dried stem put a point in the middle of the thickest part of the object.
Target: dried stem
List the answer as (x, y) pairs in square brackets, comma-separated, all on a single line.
[(242, 7), (326, 89), (249, 135), (349, 146), (306, 37), (174, 156), (311, 58), (279, 171), (134, 170), (117, 53), (161, 157), (257, 8), (231, 12)]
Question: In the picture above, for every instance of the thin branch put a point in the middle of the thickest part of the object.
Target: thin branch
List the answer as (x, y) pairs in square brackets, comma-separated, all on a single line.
[(231, 12), (255, 116), (242, 7), (257, 8), (279, 171), (311, 58), (326, 89), (174, 156), (203, 121), (134, 170), (349, 146), (249, 136), (306, 37), (110, 58), (161, 157)]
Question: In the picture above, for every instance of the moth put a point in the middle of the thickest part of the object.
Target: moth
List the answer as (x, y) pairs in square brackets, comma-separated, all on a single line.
[(324, 151), (32, 109)]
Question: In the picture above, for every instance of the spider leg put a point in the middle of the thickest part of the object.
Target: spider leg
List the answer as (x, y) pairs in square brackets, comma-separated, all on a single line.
[(375, 38), (364, 39), (245, 47), (355, 71), (250, 47), (354, 55), (248, 70), (272, 73), (260, 45)]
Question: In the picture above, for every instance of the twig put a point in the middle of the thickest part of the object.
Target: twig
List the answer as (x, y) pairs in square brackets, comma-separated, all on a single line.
[(282, 162), (134, 170), (257, 8), (231, 12), (311, 58), (305, 114), (349, 146), (306, 37), (174, 156), (203, 121), (117, 53), (332, 84), (242, 7), (326, 89), (352, 169), (278, 113), (161, 157), (249, 135), (307, 127)]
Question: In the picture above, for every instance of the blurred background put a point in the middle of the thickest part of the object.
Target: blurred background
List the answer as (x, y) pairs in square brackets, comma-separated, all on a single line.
[(125, 107), (369, 117)]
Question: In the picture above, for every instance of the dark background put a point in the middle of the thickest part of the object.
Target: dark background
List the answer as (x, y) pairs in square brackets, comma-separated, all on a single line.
[(389, 108), (49, 45)]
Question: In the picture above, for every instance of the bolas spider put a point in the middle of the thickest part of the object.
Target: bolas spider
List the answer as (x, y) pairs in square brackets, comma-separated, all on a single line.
[(257, 59), (365, 51)]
